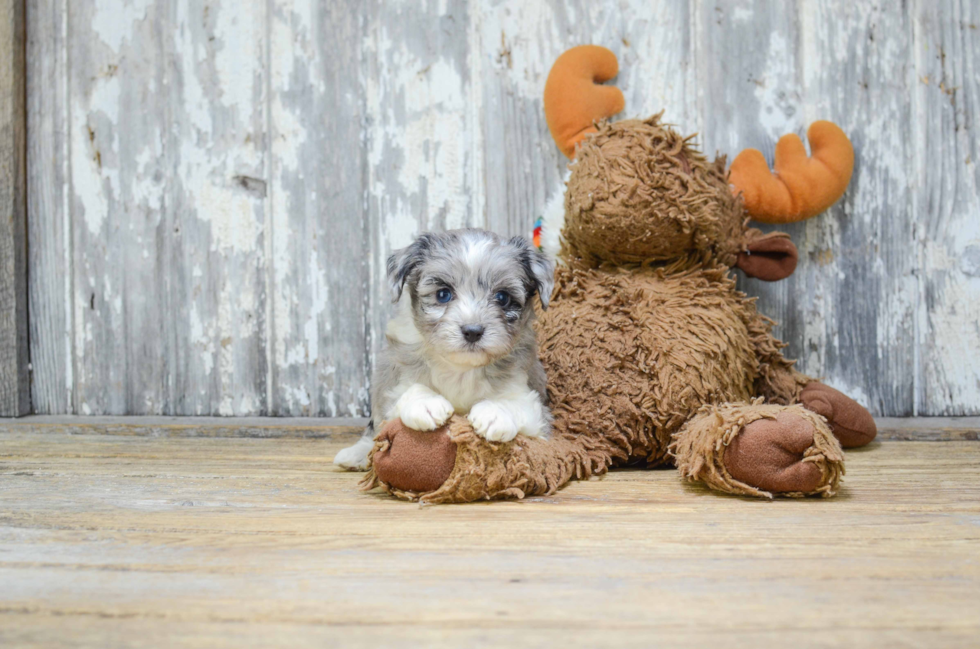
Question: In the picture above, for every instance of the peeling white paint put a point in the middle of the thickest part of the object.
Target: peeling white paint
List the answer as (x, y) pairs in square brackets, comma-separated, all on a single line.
[(777, 91), (519, 40), (234, 224), (947, 197), (318, 304), (290, 136), (299, 396), (90, 152), (113, 20), (955, 326), (146, 190), (431, 141), (194, 102), (288, 139), (239, 25), (742, 14), (429, 98), (203, 340)]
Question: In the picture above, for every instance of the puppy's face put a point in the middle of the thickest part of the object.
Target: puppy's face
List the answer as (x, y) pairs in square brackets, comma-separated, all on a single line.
[(471, 292)]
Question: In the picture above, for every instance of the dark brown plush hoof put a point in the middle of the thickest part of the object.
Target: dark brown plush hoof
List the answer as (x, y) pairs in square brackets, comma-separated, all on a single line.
[(412, 460), (768, 454), (850, 422)]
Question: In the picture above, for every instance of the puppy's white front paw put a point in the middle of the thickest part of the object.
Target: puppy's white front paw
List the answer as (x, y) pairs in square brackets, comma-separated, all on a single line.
[(493, 422), (426, 413)]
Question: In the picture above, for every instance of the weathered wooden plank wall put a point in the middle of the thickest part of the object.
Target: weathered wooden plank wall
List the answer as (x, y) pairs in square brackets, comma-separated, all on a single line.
[(214, 186), (849, 310), (14, 364), (946, 201)]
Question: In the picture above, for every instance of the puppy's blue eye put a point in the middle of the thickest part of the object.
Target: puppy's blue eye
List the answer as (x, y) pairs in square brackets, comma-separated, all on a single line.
[(443, 295), (502, 299)]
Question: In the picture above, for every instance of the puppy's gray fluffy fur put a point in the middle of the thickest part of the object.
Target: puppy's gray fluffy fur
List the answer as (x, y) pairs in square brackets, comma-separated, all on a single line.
[(461, 339)]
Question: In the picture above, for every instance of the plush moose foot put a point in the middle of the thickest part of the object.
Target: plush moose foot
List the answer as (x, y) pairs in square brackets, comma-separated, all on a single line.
[(770, 454), (413, 461), (456, 465), (850, 422), (758, 449)]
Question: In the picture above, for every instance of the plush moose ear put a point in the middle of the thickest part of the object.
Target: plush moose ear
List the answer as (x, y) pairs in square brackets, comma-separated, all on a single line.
[(769, 257), (539, 271), (403, 261)]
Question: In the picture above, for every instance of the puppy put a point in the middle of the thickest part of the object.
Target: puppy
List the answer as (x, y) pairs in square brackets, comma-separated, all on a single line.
[(461, 339)]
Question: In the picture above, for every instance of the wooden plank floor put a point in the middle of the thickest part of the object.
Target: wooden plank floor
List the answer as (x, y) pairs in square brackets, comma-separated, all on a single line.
[(112, 540)]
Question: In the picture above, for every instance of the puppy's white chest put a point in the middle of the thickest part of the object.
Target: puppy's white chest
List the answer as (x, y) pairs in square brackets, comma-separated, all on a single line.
[(462, 388)]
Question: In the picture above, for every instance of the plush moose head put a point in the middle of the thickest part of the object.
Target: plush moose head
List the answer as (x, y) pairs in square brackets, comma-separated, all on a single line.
[(640, 193)]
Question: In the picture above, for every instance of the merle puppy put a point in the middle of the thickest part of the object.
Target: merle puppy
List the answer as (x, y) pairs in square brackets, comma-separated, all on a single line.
[(461, 339)]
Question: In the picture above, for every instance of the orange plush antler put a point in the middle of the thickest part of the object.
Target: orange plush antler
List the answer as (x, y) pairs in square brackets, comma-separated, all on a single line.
[(572, 98), (801, 187)]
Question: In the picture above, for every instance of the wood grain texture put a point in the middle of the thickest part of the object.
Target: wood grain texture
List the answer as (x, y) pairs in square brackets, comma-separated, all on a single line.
[(109, 540), (15, 396), (345, 430), (518, 42), (218, 209), (167, 127), (934, 429), (848, 311), (320, 259), (117, 221), (349, 429), (946, 101), (866, 295), (422, 141), (48, 227), (225, 181)]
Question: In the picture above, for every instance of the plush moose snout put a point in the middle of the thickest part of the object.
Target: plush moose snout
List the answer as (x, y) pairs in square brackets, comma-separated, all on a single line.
[(769, 257)]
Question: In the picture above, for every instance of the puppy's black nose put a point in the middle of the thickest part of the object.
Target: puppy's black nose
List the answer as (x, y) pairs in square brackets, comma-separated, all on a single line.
[(472, 333)]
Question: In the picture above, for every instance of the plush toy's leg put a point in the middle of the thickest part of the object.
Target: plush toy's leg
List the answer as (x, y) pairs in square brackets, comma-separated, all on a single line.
[(850, 422), (454, 465), (760, 450), (779, 382)]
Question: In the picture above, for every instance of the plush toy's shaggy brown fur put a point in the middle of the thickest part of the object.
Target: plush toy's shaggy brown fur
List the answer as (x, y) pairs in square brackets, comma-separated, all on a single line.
[(653, 357), (641, 193), (482, 470), (632, 354)]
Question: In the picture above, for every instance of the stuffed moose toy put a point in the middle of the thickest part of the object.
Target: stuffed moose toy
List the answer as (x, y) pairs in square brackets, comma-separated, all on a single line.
[(652, 355)]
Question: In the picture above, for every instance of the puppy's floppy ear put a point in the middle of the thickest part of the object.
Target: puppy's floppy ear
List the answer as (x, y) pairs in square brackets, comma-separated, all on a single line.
[(539, 271), (403, 261), (544, 276), (769, 257)]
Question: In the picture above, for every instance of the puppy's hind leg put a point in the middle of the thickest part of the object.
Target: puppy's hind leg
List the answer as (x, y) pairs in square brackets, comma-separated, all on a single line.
[(355, 458)]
